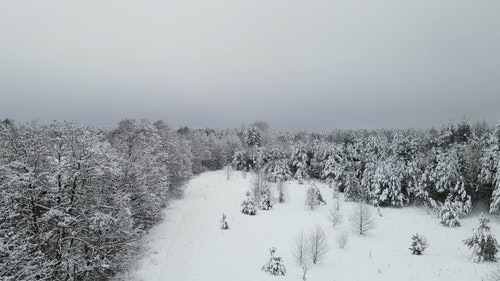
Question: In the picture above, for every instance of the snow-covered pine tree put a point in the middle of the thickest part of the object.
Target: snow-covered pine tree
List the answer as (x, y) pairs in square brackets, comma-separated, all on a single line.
[(253, 136), (241, 161), (248, 206), (387, 183), (275, 265), (449, 213), (418, 244), (314, 197), (262, 192), (334, 166), (482, 242), (448, 181), (300, 163), (352, 191), (278, 170), (490, 168)]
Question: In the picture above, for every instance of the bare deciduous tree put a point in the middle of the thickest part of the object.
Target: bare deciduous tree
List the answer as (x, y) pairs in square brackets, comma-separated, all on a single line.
[(318, 245), (361, 218), (334, 217), (300, 250), (302, 254)]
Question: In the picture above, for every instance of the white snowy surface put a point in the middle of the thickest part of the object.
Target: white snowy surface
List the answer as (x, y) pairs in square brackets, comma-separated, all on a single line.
[(189, 245)]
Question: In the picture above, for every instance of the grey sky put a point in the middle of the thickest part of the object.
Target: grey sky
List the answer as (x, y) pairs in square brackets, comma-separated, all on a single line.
[(295, 64)]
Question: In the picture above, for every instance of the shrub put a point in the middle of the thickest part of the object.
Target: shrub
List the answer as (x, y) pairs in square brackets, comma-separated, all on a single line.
[(342, 238)]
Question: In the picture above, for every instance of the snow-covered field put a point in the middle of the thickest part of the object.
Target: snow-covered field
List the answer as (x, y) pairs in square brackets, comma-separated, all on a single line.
[(189, 245)]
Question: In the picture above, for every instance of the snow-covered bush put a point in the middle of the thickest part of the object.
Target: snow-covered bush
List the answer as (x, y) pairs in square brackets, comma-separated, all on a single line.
[(342, 238), (482, 242), (248, 208), (223, 222), (275, 265), (418, 244), (265, 203), (449, 214), (314, 198)]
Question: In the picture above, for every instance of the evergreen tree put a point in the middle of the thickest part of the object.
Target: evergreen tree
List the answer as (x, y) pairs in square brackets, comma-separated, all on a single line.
[(490, 168), (248, 206), (254, 136), (449, 213), (482, 242), (275, 265), (314, 197), (418, 244), (300, 163), (223, 222), (448, 182), (353, 191)]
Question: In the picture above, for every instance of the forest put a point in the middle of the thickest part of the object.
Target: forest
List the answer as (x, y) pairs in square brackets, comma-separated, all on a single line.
[(76, 199)]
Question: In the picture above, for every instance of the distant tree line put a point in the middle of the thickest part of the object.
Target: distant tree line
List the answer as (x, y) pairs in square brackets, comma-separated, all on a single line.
[(449, 170)]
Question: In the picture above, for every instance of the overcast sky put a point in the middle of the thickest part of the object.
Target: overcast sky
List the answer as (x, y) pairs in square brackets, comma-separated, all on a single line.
[(295, 64)]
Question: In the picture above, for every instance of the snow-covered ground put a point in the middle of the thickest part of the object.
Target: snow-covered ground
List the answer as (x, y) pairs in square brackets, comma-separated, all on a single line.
[(189, 245)]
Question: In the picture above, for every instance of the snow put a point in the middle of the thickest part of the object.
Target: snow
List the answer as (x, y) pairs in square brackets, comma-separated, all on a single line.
[(189, 244)]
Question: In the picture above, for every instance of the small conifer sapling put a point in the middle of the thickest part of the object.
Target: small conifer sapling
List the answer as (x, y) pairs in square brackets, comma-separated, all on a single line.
[(223, 222), (418, 244), (482, 242), (275, 265)]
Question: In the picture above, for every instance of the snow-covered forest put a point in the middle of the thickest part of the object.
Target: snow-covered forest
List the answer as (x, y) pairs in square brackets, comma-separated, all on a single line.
[(75, 200)]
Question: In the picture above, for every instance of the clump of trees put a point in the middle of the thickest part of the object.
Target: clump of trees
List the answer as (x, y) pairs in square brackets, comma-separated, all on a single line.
[(75, 199), (447, 169), (311, 249)]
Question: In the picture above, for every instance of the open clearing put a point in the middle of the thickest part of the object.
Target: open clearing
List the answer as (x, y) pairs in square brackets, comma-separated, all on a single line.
[(189, 245)]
